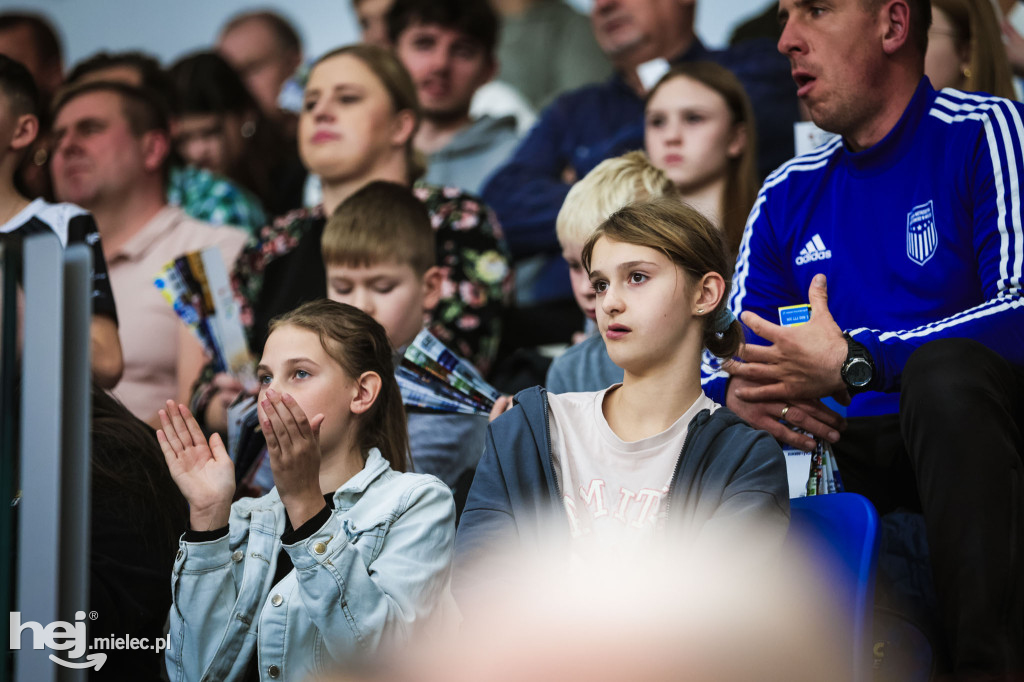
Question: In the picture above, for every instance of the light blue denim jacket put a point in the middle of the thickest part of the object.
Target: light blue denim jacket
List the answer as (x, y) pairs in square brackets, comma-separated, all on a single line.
[(375, 573)]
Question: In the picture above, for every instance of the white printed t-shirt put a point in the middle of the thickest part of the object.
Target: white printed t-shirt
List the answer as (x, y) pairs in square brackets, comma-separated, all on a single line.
[(610, 486)]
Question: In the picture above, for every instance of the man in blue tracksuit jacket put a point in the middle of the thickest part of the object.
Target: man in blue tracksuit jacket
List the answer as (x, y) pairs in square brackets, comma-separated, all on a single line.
[(913, 222)]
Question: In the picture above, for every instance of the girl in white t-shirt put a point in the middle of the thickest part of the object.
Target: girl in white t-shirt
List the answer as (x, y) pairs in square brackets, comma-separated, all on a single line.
[(651, 452)]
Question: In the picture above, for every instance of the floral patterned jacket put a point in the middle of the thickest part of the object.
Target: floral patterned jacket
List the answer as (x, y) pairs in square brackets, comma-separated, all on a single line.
[(281, 267)]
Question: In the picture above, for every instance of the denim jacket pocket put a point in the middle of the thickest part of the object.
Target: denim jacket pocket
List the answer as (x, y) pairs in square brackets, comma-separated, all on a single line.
[(368, 538)]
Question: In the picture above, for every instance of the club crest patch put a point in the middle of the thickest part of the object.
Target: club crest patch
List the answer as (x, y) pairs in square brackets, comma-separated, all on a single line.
[(922, 237)]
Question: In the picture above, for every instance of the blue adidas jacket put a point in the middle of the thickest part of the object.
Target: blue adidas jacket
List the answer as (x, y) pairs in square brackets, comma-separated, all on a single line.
[(920, 237)]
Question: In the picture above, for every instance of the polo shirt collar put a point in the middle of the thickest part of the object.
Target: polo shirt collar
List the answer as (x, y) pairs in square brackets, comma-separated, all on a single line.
[(159, 225), (695, 53)]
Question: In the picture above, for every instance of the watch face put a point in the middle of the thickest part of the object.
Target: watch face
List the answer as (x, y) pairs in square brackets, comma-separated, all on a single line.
[(858, 372)]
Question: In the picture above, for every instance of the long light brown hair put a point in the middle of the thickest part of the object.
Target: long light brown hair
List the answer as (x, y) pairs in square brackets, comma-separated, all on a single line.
[(741, 175), (359, 344), (398, 84), (686, 237), (977, 31)]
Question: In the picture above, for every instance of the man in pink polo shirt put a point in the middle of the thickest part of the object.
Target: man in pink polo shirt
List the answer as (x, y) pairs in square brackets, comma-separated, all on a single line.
[(111, 147)]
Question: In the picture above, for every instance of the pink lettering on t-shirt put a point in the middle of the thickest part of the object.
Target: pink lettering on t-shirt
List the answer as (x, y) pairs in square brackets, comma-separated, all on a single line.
[(593, 497), (574, 519), (651, 500)]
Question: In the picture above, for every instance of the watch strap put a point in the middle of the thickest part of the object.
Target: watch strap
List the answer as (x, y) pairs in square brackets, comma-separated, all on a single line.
[(856, 351)]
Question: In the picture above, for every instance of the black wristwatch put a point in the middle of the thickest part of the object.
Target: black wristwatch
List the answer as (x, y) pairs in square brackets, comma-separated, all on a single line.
[(859, 369)]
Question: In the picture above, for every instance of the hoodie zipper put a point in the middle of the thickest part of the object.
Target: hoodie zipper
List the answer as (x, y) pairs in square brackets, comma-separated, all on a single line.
[(675, 470), (551, 452)]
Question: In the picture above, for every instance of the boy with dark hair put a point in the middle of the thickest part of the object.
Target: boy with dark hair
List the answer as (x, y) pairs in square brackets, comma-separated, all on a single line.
[(448, 47), (31, 39), (378, 249), (19, 127), (19, 88), (475, 19)]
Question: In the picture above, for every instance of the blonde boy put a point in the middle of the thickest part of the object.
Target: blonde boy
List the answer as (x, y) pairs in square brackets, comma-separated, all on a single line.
[(379, 253), (614, 183)]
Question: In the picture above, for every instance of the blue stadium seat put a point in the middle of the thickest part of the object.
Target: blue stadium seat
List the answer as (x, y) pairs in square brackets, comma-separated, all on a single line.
[(841, 533)]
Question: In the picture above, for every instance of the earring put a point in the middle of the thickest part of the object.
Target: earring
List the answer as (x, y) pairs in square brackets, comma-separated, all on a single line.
[(966, 71), (248, 129), (700, 311)]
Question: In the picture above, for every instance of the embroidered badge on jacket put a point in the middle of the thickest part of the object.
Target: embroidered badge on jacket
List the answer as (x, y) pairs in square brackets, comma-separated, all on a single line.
[(922, 237)]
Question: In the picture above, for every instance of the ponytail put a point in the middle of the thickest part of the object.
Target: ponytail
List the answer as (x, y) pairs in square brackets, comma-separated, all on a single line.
[(724, 344)]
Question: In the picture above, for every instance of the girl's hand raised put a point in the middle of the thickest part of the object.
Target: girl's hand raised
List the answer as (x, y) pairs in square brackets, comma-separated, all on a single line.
[(294, 446), (203, 472)]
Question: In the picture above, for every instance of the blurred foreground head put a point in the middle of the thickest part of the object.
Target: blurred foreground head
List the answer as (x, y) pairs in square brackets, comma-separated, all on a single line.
[(642, 616)]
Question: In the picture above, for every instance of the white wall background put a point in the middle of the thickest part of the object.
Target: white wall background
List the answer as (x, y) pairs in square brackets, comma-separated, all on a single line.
[(172, 28)]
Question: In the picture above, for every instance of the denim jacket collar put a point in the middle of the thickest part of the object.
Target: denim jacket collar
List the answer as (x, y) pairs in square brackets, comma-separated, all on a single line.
[(373, 469), (344, 497)]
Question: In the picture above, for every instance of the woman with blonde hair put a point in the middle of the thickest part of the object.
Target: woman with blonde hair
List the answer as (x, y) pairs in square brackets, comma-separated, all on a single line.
[(965, 49), (699, 129)]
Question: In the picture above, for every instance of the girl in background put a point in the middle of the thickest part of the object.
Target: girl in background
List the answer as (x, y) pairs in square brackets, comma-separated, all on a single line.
[(218, 125), (965, 49), (699, 129), (347, 554)]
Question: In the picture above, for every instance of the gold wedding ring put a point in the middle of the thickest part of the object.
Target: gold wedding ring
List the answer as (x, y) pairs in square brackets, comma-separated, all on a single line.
[(785, 410)]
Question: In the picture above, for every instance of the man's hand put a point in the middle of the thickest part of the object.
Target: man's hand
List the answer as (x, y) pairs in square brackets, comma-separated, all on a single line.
[(802, 363), (809, 415)]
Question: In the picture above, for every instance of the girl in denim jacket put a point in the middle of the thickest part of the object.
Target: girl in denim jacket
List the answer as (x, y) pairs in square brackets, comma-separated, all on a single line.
[(347, 554)]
